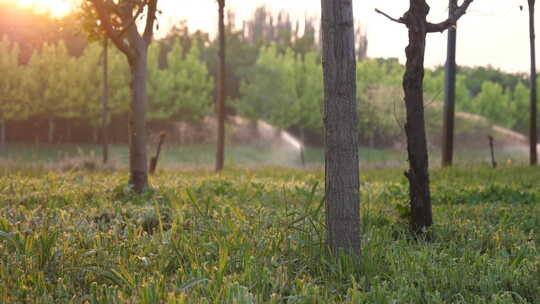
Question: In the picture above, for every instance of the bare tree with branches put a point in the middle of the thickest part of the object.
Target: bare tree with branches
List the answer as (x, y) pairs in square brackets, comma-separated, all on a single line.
[(415, 19)]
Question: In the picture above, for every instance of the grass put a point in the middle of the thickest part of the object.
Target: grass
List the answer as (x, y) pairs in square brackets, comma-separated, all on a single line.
[(257, 236), (203, 155), (188, 156)]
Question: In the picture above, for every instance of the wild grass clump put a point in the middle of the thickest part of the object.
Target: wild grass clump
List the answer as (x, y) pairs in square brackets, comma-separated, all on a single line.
[(257, 236)]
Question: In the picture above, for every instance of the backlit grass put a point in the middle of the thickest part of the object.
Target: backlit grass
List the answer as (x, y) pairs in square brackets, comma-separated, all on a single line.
[(257, 236)]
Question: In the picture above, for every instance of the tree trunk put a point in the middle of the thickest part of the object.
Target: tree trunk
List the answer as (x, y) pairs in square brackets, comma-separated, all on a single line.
[(95, 136), (450, 94), (105, 103), (302, 147), (533, 139), (2, 134), (415, 127), (50, 138), (137, 122), (68, 131), (341, 141), (220, 153)]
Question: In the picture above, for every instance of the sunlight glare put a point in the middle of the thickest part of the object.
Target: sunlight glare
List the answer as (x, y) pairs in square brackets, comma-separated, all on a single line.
[(56, 8)]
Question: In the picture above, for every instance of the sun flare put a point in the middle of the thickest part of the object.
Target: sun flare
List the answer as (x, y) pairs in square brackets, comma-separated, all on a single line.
[(54, 7)]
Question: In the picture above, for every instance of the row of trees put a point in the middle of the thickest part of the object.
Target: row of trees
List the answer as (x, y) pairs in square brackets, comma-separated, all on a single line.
[(54, 85), (282, 87), (293, 75)]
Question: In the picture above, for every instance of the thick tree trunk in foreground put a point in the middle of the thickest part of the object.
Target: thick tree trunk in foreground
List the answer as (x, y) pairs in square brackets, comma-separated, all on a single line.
[(533, 139), (415, 127), (449, 95), (105, 103), (220, 153), (137, 122), (341, 166)]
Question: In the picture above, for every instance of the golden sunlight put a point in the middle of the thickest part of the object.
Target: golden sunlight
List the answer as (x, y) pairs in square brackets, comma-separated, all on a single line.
[(56, 8)]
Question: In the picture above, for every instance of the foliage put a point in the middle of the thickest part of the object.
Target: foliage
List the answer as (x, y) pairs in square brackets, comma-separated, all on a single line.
[(494, 102), (12, 93), (89, 83), (181, 91), (256, 236), (279, 76), (270, 91), (51, 82)]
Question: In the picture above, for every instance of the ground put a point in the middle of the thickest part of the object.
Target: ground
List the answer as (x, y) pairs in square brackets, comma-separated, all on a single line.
[(257, 236)]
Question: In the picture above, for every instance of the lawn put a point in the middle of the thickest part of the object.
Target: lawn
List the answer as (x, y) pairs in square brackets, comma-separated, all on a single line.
[(186, 156), (257, 236), (253, 155)]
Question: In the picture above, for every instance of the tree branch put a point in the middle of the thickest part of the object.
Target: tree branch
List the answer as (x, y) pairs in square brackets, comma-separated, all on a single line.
[(115, 36), (451, 21), (400, 20), (150, 20), (133, 19)]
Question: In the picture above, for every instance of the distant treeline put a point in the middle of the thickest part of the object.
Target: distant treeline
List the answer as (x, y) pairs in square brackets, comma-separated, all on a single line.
[(51, 87)]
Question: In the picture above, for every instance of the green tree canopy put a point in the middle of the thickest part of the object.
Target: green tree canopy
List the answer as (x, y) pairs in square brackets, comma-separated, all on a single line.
[(181, 91)]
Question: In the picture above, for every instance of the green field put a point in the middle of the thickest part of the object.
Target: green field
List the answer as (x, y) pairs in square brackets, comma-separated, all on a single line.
[(189, 156), (203, 156), (257, 236)]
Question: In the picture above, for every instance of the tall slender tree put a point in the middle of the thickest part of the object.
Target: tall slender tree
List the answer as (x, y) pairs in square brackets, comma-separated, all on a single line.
[(11, 91), (418, 27), (95, 32), (105, 102), (533, 139), (221, 94), (52, 69), (449, 93), (340, 120), (119, 21)]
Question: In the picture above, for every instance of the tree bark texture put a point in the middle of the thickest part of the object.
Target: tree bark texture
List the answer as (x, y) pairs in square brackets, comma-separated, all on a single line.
[(137, 122), (449, 94), (421, 214), (340, 120), (105, 103), (533, 137), (220, 153)]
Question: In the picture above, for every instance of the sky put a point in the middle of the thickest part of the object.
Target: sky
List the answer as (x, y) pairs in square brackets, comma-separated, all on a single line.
[(493, 32)]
